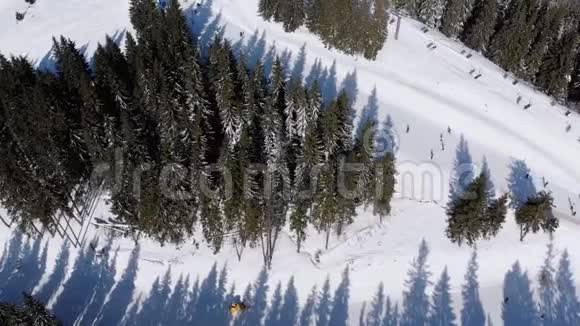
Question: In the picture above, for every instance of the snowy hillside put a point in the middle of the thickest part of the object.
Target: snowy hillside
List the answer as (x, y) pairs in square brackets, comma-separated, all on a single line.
[(432, 98)]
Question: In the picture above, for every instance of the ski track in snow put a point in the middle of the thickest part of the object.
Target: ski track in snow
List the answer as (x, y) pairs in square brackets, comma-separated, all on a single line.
[(428, 90)]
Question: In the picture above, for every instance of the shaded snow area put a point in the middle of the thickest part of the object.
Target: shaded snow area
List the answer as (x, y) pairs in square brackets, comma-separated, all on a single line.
[(432, 100)]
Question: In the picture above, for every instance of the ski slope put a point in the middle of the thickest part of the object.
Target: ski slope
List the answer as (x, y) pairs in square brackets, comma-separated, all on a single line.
[(427, 90)]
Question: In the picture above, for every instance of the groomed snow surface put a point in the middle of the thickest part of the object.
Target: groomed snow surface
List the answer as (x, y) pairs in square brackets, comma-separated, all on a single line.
[(427, 90)]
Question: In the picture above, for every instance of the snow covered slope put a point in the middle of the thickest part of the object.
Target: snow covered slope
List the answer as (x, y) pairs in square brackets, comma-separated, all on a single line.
[(427, 90)]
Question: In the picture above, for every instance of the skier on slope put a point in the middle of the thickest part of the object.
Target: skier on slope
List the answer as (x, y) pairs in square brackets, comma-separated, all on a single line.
[(237, 306)]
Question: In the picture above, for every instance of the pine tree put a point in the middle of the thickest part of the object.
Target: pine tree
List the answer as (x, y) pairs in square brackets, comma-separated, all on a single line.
[(574, 86), (364, 151), (479, 28), (299, 222), (452, 19), (462, 171), (379, 30), (292, 14), (32, 312), (441, 312), (511, 43), (429, 12), (325, 205), (489, 187), (277, 174), (314, 15), (496, 213), (225, 91), (546, 30), (536, 214), (385, 185), (268, 9), (467, 214), (558, 64), (475, 215)]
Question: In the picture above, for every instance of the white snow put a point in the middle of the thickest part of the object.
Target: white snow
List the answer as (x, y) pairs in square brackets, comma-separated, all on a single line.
[(426, 89)]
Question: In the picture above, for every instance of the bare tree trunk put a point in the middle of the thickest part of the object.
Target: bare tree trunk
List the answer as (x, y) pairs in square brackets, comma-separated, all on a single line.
[(298, 243), (239, 248), (327, 237)]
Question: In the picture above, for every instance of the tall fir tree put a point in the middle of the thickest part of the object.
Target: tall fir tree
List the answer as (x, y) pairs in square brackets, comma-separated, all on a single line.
[(511, 43), (557, 66), (536, 214), (546, 29), (479, 27), (292, 14), (268, 9), (452, 19)]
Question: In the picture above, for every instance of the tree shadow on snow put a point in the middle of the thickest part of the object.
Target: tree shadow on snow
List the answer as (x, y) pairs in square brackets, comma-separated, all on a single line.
[(520, 183), (90, 295), (369, 113)]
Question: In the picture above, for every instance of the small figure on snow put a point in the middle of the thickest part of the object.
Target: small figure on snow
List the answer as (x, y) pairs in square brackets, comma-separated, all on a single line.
[(545, 182), (449, 130), (409, 128), (432, 154), (19, 16), (238, 306)]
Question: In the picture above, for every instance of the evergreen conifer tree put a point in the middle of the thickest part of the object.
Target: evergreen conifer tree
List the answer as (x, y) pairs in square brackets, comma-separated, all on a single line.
[(452, 19), (558, 64), (536, 214), (511, 43), (479, 27), (292, 14), (268, 9)]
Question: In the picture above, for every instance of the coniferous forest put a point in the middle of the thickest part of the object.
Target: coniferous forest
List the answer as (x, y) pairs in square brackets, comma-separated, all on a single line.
[(182, 142), (351, 26), (536, 40)]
